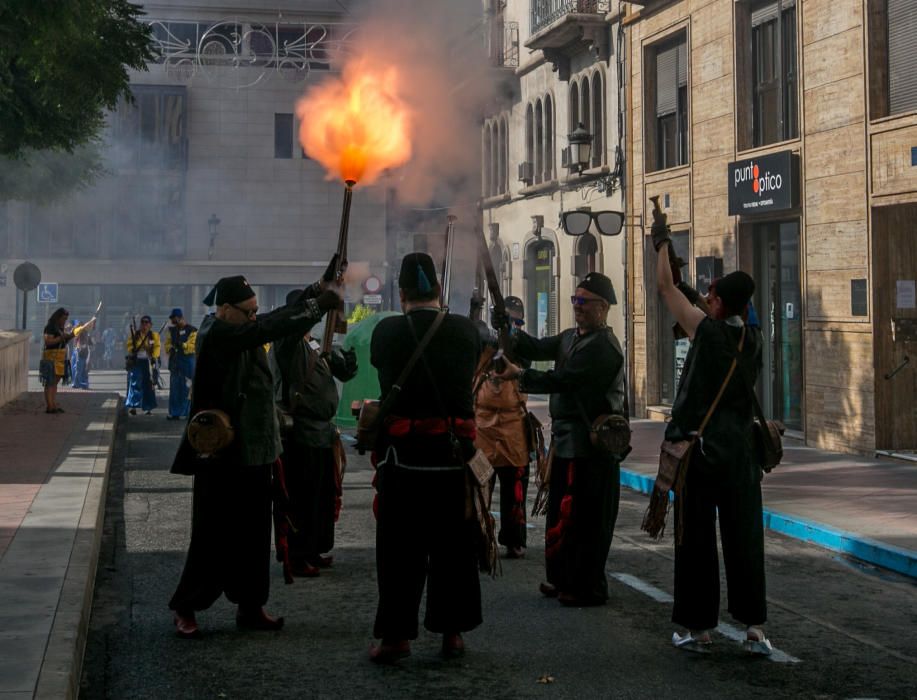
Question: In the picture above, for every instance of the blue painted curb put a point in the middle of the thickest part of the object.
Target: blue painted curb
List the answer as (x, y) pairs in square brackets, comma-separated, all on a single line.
[(897, 559)]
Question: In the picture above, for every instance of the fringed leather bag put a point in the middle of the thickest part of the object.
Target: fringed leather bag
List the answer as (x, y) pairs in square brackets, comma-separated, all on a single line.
[(477, 509), (674, 458)]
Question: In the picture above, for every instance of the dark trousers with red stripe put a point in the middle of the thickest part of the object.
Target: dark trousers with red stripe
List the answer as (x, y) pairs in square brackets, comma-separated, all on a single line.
[(582, 510)]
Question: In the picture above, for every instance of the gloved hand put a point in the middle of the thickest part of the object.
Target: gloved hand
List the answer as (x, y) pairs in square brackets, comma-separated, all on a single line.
[(499, 319), (661, 234), (328, 276), (329, 299)]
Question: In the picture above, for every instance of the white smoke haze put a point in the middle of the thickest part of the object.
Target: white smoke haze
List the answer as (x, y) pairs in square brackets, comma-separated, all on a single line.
[(437, 45)]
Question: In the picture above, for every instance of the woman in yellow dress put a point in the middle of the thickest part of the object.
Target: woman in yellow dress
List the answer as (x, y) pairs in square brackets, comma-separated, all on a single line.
[(54, 365)]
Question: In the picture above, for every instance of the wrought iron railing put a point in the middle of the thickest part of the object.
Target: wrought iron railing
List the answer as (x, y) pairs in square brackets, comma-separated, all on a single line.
[(250, 51), (544, 12), (504, 44)]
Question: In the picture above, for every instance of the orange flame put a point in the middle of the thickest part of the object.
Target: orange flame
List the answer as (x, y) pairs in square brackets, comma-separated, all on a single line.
[(356, 126)]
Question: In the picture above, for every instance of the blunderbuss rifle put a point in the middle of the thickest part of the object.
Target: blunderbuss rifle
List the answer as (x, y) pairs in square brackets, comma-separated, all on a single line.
[(496, 299), (335, 321)]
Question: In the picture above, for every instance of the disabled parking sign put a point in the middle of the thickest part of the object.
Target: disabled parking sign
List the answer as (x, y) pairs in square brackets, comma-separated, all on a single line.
[(47, 293)]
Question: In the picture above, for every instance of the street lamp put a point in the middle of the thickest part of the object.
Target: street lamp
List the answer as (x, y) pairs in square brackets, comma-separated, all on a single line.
[(580, 148), (212, 222)]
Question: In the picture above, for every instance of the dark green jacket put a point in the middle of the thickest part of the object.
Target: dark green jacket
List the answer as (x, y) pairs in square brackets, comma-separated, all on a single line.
[(232, 374)]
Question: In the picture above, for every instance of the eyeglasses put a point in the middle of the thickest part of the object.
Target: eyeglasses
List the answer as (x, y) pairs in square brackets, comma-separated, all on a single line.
[(250, 313), (581, 301), (576, 223)]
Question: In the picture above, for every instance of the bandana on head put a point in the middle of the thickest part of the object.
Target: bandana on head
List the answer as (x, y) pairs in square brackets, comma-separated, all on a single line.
[(229, 290)]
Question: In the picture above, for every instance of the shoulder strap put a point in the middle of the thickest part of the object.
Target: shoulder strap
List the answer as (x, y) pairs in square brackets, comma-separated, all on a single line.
[(402, 378), (719, 394)]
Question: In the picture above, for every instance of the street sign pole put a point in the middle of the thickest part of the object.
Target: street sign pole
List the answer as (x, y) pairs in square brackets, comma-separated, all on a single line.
[(25, 306)]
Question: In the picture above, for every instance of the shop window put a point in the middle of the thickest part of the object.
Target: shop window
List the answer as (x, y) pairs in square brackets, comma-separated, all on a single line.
[(892, 38), (283, 135), (767, 66), (667, 91)]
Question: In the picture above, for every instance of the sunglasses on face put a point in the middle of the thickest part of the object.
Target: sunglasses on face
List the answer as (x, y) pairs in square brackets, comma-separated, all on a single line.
[(581, 301), (250, 313)]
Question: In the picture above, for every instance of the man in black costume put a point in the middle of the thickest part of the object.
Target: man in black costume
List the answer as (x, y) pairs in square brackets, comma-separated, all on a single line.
[(422, 535), (231, 519), (312, 452), (587, 381)]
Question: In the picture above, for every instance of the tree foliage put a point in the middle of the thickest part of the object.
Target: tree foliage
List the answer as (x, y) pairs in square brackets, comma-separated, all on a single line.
[(62, 64)]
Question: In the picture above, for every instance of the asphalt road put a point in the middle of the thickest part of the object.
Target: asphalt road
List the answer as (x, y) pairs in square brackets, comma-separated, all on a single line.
[(852, 630)]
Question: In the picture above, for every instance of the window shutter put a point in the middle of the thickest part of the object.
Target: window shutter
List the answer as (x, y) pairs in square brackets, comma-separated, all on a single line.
[(902, 56), (768, 12), (666, 81), (682, 63)]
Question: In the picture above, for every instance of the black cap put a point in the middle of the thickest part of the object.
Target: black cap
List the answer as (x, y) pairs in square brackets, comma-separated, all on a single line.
[(735, 289), (514, 304), (418, 272), (143, 319), (293, 296), (597, 283), (229, 290)]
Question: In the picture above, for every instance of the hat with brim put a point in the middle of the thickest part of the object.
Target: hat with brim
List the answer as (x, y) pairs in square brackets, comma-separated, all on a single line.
[(229, 290)]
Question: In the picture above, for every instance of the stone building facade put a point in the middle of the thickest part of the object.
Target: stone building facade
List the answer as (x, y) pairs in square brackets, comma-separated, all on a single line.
[(208, 178), (781, 138), (560, 65)]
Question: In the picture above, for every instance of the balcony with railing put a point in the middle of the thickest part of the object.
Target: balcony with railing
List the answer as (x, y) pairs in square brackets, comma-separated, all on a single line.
[(561, 27)]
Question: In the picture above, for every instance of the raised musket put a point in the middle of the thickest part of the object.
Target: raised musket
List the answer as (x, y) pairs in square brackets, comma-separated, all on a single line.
[(493, 288), (335, 321), (446, 275)]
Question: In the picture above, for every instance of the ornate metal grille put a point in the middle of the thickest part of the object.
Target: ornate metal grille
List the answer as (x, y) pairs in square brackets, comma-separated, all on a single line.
[(245, 53), (544, 12)]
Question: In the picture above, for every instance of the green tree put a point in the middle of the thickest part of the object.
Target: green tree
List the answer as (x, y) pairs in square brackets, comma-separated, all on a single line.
[(63, 63)]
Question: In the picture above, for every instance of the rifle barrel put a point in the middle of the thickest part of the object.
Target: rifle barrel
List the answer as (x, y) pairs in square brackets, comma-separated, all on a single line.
[(331, 319)]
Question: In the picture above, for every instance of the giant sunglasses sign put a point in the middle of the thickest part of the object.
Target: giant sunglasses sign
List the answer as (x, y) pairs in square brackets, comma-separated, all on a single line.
[(763, 184)]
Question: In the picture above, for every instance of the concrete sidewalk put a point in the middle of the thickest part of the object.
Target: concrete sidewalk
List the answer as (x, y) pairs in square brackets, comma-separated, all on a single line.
[(866, 508), (53, 477)]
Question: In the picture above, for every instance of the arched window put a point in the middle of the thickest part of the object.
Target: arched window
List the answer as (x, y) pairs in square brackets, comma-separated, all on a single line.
[(539, 142), (585, 114), (487, 148), (506, 272), (586, 255), (503, 155), (541, 291), (574, 106), (548, 138), (529, 136), (494, 160), (599, 156)]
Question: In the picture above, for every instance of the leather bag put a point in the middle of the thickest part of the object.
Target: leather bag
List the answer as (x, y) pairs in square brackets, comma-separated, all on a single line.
[(368, 427), (210, 431), (610, 433)]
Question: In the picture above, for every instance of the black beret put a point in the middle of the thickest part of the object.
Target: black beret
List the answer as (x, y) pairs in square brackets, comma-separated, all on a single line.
[(229, 290), (514, 304), (417, 272), (597, 283), (735, 289)]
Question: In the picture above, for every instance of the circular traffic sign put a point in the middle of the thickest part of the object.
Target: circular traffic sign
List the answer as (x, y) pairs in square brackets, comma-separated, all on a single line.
[(26, 276), (372, 284)]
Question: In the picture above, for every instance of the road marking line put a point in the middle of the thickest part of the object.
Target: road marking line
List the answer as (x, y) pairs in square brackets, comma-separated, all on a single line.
[(723, 628)]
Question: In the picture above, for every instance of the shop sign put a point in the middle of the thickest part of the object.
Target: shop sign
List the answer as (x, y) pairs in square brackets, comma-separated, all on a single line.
[(763, 184)]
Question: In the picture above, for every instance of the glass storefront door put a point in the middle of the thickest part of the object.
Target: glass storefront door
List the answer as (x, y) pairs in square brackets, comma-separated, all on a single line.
[(778, 303)]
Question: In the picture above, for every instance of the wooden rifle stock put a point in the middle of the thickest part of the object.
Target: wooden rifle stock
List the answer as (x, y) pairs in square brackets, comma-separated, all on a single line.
[(334, 319)]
